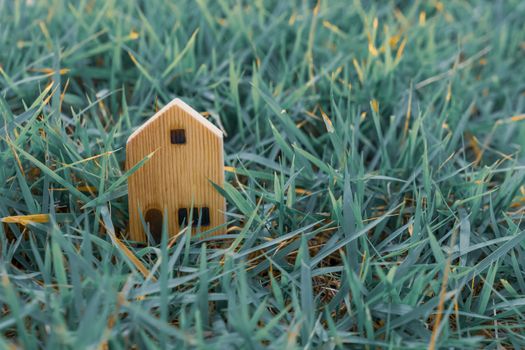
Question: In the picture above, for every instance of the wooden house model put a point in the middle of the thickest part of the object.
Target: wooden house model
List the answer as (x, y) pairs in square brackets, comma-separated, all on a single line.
[(187, 159)]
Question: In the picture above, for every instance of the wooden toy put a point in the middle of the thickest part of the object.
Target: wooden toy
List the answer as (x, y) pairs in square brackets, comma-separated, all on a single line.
[(187, 158)]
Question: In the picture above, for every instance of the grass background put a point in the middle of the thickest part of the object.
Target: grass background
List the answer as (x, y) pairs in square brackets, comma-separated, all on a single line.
[(375, 174)]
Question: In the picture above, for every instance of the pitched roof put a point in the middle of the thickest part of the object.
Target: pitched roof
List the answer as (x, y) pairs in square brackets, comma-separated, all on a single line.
[(181, 104)]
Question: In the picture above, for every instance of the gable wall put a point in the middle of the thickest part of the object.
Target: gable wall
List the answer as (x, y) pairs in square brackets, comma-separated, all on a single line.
[(177, 174)]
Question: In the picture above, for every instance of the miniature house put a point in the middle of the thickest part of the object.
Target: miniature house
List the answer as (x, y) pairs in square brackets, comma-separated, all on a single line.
[(177, 180)]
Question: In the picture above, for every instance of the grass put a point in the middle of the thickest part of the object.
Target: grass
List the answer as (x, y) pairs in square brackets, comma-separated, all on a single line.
[(375, 174)]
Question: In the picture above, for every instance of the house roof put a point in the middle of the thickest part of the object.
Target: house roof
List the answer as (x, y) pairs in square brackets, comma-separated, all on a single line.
[(181, 104)]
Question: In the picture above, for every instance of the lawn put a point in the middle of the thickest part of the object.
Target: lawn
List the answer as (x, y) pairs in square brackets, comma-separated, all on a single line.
[(375, 174)]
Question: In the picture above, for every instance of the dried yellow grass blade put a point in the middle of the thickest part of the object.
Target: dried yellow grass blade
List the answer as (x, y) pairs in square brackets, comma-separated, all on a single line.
[(333, 28), (399, 52), (317, 7), (394, 40), (474, 144), (50, 71), (358, 70), (15, 154), (372, 49), (133, 58), (108, 226), (375, 105), (302, 191), (26, 219), (134, 260), (234, 228), (408, 114), (519, 202), (422, 18), (133, 35), (45, 31), (327, 122), (513, 119), (63, 95)]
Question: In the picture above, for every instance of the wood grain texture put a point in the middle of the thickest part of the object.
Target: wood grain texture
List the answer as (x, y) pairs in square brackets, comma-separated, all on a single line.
[(178, 175)]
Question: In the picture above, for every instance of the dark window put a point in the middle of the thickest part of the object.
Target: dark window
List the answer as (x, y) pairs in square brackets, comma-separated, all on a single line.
[(183, 216), (178, 136), (200, 216), (205, 216), (154, 220)]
